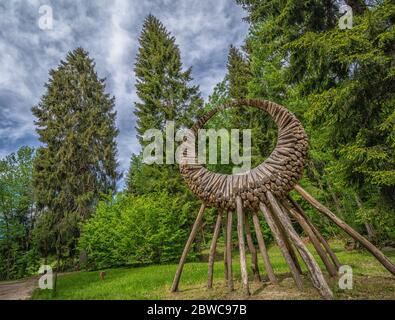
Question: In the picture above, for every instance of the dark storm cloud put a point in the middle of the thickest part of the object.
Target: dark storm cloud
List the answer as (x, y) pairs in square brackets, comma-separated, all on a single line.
[(109, 31)]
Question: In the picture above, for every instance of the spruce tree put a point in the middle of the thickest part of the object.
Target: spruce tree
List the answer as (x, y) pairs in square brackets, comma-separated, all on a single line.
[(238, 73), (76, 164), (162, 86), (165, 94)]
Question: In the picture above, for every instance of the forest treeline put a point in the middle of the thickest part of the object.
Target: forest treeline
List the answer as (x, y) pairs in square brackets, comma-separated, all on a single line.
[(59, 204)]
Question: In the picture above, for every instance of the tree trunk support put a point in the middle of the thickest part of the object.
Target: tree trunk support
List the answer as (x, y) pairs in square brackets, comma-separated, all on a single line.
[(243, 260), (187, 247), (315, 272), (263, 249), (213, 248), (344, 226), (251, 248)]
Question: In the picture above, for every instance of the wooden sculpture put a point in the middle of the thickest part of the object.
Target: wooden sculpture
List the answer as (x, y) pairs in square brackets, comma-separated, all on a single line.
[(265, 189)]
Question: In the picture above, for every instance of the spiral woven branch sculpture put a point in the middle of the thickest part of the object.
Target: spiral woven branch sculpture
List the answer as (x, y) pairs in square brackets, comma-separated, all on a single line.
[(265, 189)]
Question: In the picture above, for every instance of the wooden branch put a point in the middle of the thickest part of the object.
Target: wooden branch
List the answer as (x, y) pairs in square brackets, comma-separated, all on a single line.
[(213, 248), (313, 238), (281, 243), (287, 242), (344, 226), (320, 237), (229, 249), (225, 249), (262, 249), (240, 233), (315, 272), (187, 247), (251, 248)]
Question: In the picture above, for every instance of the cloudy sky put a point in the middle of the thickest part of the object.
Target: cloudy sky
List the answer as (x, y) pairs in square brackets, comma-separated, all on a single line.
[(108, 30)]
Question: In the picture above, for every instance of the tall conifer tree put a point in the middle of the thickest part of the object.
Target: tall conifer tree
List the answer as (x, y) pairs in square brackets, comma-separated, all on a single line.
[(162, 85), (76, 164), (165, 94)]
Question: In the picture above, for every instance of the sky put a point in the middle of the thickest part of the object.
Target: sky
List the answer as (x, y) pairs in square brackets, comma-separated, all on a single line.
[(108, 30)]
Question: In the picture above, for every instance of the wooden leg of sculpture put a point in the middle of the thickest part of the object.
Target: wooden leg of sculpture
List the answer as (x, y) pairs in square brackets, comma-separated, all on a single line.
[(318, 234), (315, 272), (251, 248), (187, 247), (313, 238), (213, 248), (355, 235), (243, 260), (229, 249), (288, 243), (225, 249), (262, 249), (281, 243)]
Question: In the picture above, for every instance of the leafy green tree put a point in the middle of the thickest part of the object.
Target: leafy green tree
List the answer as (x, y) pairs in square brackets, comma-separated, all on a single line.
[(16, 215), (134, 230), (76, 164)]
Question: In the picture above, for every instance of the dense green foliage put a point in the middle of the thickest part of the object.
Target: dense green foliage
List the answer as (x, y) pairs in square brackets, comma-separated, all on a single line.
[(340, 83), (17, 256), (76, 165), (136, 230)]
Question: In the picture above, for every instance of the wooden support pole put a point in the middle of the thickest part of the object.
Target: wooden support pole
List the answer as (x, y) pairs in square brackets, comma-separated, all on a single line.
[(262, 249), (225, 249), (313, 238), (316, 274), (320, 237), (344, 226), (213, 248), (281, 243), (243, 260), (251, 248), (187, 247), (229, 249), (288, 243)]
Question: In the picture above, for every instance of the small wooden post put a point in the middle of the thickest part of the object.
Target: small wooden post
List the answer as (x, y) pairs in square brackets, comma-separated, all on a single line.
[(251, 248), (213, 248), (262, 249), (281, 243), (187, 247), (229, 249), (243, 260)]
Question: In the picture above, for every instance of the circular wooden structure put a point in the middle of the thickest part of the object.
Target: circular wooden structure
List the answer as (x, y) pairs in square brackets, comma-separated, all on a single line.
[(264, 191)]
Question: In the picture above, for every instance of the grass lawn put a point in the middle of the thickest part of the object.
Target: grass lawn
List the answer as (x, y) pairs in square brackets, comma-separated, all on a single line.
[(371, 281)]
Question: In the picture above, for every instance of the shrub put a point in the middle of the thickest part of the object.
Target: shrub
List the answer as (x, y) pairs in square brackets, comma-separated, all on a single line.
[(136, 230)]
